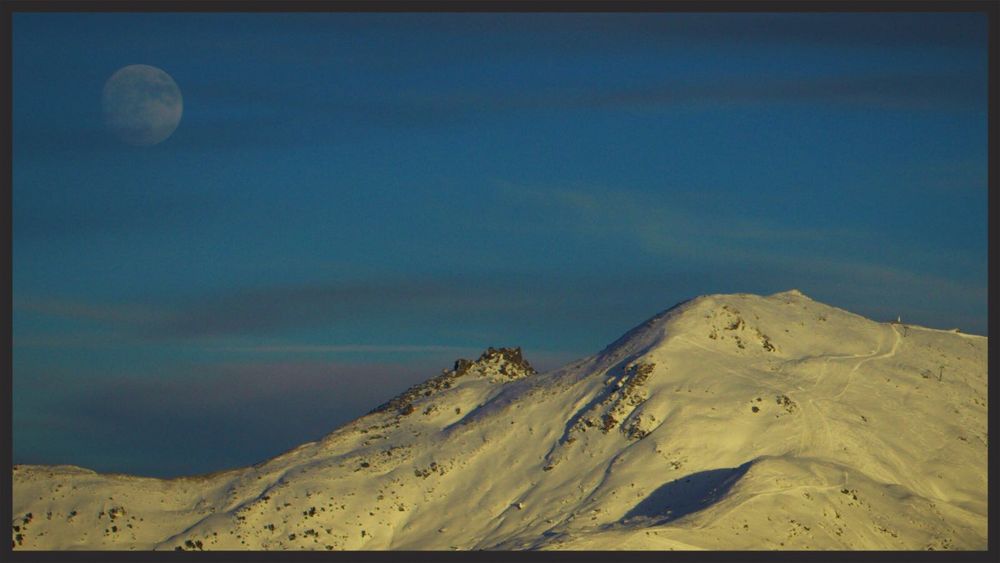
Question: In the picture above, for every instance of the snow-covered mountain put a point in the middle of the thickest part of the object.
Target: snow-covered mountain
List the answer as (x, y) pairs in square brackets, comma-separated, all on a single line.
[(733, 422)]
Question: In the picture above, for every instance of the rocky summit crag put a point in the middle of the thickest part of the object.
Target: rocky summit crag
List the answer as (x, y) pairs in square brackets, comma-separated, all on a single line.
[(495, 364)]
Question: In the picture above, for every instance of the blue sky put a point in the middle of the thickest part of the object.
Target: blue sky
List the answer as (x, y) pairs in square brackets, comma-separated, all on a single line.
[(352, 201)]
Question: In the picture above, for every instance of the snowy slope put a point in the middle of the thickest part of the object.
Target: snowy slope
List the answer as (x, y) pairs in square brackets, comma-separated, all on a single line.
[(728, 422)]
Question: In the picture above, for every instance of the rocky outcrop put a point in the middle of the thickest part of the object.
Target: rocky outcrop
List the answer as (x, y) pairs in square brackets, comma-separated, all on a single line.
[(496, 364)]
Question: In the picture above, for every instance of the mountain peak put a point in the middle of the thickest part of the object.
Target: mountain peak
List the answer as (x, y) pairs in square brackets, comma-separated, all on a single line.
[(791, 293), (498, 365), (780, 325)]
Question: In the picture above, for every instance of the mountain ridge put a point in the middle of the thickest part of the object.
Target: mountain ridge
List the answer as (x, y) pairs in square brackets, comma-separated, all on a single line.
[(722, 412)]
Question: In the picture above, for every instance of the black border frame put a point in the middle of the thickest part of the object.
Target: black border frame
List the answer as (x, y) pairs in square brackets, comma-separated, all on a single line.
[(991, 8)]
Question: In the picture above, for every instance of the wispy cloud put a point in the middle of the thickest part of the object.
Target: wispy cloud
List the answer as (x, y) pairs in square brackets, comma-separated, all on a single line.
[(858, 278), (718, 247), (174, 422), (670, 229), (758, 253), (86, 339), (111, 339), (284, 116), (262, 310), (243, 311), (888, 92), (897, 30), (342, 348), (882, 91), (112, 313)]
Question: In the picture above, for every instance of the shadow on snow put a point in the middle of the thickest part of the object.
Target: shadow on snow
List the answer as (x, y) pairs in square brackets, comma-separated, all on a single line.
[(684, 496)]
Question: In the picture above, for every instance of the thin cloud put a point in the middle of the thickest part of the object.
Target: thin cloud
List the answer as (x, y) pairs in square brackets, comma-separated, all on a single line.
[(284, 117), (262, 310), (238, 112), (890, 91), (155, 423), (833, 30), (269, 309), (62, 212), (110, 313), (884, 91), (674, 230), (720, 260), (87, 339), (735, 247), (343, 348)]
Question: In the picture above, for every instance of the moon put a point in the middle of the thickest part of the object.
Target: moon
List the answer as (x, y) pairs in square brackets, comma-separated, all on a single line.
[(142, 104)]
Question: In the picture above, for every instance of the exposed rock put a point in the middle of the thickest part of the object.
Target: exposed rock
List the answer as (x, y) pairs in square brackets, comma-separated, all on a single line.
[(497, 364)]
